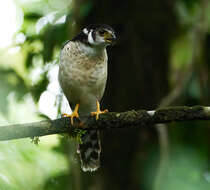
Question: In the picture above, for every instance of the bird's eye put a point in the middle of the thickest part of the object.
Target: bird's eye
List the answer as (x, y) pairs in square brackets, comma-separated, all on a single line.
[(102, 32)]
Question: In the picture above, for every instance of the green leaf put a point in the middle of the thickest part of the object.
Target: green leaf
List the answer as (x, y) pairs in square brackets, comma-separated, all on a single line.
[(10, 81), (40, 87)]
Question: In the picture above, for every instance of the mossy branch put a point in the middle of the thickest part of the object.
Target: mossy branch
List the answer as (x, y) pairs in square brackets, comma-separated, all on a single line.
[(112, 120)]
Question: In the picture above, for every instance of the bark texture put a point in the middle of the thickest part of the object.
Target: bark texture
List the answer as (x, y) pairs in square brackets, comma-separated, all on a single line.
[(113, 120)]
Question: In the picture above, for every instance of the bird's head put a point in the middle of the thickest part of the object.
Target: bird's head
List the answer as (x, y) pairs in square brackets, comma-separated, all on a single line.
[(97, 35)]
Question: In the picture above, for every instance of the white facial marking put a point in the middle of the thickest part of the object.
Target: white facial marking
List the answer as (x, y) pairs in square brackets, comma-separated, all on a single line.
[(90, 37), (151, 113), (85, 31)]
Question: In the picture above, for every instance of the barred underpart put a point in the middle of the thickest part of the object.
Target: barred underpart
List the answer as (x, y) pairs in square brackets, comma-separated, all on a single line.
[(89, 151)]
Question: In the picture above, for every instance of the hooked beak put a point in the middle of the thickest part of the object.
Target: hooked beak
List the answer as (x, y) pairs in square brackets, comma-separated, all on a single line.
[(110, 38)]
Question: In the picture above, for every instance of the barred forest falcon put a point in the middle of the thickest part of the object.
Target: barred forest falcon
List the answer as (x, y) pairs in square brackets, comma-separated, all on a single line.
[(82, 77)]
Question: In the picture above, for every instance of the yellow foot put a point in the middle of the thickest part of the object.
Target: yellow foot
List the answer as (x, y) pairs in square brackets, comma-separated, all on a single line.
[(73, 114), (98, 112)]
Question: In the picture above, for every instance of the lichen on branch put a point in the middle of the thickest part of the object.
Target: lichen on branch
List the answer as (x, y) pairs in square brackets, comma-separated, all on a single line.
[(112, 120)]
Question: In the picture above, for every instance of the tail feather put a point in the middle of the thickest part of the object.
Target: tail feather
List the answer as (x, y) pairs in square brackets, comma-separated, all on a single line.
[(89, 151)]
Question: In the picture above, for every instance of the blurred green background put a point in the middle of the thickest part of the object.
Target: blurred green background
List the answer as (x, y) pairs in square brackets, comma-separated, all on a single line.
[(162, 58)]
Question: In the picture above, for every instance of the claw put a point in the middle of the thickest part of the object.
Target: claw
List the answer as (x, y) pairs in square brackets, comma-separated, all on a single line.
[(98, 111), (73, 114)]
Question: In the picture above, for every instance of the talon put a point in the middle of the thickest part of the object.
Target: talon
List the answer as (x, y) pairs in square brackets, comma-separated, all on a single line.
[(73, 114), (98, 112)]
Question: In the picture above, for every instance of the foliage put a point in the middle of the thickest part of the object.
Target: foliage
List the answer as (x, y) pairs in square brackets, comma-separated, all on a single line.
[(22, 162), (10, 82)]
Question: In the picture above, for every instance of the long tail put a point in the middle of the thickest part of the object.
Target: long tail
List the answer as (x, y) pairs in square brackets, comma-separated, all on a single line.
[(89, 151)]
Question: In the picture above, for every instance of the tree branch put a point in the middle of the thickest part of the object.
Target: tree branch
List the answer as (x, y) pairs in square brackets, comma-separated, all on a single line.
[(112, 120)]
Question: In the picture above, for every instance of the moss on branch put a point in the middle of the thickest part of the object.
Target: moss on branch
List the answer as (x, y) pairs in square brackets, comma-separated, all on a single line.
[(140, 118)]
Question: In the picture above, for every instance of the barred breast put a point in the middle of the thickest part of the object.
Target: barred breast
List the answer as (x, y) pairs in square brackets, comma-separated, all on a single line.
[(83, 74)]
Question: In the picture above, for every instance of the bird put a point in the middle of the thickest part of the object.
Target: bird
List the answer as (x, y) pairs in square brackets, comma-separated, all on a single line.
[(82, 77)]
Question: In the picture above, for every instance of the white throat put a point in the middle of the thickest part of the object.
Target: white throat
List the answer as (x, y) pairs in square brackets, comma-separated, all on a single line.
[(91, 50)]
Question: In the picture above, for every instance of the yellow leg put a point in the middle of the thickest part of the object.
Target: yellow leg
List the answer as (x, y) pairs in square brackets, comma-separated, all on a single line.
[(73, 114), (98, 111)]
